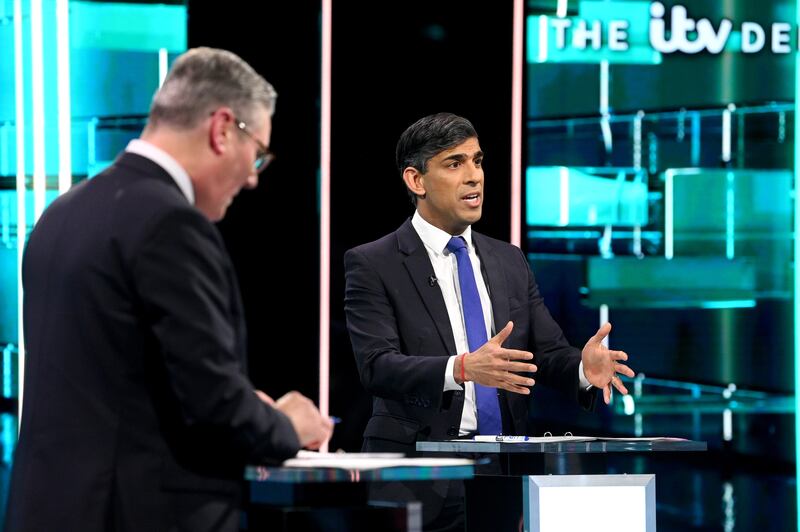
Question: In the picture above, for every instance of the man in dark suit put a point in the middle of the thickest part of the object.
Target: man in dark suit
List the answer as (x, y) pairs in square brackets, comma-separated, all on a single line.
[(137, 410), (445, 321)]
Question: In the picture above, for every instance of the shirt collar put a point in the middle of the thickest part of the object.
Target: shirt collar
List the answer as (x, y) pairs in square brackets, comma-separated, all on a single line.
[(434, 238), (165, 161)]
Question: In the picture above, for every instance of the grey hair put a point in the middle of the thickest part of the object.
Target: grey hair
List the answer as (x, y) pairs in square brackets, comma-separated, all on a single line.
[(203, 79)]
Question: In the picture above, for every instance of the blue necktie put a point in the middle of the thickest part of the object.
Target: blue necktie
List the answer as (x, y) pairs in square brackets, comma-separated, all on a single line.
[(489, 421)]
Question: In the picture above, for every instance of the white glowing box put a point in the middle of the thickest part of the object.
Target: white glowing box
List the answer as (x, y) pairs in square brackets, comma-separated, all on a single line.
[(566, 503)]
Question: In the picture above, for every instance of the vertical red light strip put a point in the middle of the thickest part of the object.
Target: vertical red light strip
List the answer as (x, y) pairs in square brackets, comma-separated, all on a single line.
[(516, 124), (325, 214)]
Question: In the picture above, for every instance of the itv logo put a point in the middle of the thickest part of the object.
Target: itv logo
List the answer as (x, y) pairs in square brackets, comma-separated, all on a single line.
[(668, 32), (707, 37)]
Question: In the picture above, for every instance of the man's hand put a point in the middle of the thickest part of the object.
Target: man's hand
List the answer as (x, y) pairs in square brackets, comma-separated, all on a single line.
[(601, 365), (493, 365), (266, 398), (312, 429)]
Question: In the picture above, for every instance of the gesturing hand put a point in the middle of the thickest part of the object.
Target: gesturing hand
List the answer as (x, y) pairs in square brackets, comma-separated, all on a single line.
[(601, 365), (266, 398), (493, 365)]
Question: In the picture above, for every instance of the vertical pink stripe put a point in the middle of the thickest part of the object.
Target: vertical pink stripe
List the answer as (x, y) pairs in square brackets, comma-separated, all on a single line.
[(516, 124), (325, 214)]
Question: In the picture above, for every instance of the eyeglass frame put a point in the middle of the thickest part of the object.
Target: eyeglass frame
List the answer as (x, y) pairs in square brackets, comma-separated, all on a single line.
[(264, 156)]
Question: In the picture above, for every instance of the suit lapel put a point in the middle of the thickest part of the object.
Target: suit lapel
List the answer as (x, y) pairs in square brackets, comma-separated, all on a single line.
[(493, 274), (421, 271)]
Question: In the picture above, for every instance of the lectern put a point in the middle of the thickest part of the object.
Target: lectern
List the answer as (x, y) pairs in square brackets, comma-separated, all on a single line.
[(528, 480)]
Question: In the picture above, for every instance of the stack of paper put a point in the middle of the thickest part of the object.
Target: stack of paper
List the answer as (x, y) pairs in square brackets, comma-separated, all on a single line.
[(365, 461), (562, 439)]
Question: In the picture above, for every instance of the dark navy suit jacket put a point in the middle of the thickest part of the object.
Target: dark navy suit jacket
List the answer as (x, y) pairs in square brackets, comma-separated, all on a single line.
[(136, 392), (401, 338)]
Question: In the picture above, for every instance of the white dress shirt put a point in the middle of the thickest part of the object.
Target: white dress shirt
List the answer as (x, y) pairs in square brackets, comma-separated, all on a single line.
[(446, 270), (165, 161), (444, 266)]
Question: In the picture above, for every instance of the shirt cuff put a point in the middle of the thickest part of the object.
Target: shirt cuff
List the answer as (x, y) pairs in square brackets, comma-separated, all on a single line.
[(585, 384), (450, 381)]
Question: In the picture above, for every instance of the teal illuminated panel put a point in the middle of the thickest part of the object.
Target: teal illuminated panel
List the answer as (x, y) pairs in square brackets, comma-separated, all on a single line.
[(559, 196), (8, 437), (733, 213), (616, 32), (796, 281), (656, 282), (8, 287), (131, 27), (117, 53), (760, 201)]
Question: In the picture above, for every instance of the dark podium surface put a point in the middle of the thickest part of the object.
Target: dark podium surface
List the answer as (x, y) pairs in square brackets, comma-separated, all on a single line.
[(593, 446), (317, 498), (580, 456), (297, 475)]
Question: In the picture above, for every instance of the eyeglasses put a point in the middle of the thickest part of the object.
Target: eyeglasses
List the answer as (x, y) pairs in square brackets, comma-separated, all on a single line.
[(263, 156)]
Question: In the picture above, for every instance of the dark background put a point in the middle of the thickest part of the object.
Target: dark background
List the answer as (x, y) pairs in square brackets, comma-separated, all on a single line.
[(392, 64)]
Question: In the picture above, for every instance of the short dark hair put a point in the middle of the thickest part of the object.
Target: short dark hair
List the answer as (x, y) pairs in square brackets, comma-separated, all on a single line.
[(429, 136)]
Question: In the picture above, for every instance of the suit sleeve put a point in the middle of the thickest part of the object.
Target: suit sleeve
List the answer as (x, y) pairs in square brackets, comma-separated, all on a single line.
[(384, 369), (557, 361), (185, 291)]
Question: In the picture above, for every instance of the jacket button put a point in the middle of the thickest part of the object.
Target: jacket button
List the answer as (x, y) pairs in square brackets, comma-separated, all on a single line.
[(452, 432)]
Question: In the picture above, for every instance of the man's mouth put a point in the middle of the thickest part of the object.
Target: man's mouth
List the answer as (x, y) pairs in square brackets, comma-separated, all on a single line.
[(472, 200)]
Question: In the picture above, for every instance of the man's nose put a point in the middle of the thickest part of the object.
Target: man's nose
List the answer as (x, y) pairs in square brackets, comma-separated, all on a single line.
[(475, 174)]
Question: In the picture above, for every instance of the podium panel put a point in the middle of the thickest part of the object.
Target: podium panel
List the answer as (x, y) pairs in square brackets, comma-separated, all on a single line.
[(560, 458), (608, 503)]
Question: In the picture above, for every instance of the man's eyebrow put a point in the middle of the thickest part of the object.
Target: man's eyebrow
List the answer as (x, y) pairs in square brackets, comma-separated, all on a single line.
[(463, 156), (456, 157)]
